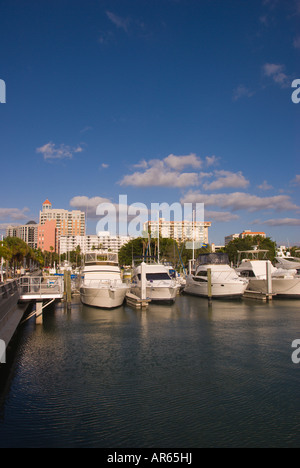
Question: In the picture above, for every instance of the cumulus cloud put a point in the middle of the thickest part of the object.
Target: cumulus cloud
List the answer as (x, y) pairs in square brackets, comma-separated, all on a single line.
[(212, 160), (276, 73), (157, 176), (242, 91), (265, 186), (241, 201), (296, 180), (279, 222), (88, 205), (13, 213), (180, 162), (220, 216), (296, 42), (227, 179), (165, 173), (118, 21), (50, 151)]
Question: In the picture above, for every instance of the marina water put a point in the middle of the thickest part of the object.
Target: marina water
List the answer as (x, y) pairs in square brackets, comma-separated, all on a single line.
[(180, 376)]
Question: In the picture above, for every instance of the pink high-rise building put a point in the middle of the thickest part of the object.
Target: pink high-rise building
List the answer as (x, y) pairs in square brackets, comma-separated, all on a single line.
[(47, 236)]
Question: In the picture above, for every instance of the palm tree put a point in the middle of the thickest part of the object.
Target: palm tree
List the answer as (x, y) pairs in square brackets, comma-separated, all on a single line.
[(51, 251), (78, 252)]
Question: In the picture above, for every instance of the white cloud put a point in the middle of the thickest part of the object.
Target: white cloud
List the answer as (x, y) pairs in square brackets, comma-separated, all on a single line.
[(158, 176), (242, 91), (242, 201), (220, 216), (13, 213), (212, 160), (141, 165), (227, 179), (118, 21), (165, 173), (279, 222), (276, 73), (179, 162), (265, 186), (88, 205), (50, 151), (296, 181), (296, 42), (4, 226)]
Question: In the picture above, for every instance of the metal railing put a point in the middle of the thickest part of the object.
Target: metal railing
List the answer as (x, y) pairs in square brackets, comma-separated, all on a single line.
[(8, 289), (41, 286)]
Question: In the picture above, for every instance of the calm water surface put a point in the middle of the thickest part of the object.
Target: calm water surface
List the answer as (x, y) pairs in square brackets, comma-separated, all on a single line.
[(180, 376)]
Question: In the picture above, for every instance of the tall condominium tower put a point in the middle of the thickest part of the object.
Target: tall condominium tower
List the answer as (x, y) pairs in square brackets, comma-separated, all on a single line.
[(68, 223)]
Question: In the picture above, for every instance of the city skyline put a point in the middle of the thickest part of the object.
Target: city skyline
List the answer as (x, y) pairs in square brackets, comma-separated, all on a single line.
[(171, 101)]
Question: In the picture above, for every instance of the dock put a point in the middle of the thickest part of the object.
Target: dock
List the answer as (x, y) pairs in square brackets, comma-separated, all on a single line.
[(10, 313), (16, 295), (135, 301), (258, 296)]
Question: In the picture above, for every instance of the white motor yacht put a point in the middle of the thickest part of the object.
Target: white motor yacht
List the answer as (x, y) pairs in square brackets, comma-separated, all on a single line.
[(160, 287), (285, 283), (101, 284), (288, 262), (225, 281)]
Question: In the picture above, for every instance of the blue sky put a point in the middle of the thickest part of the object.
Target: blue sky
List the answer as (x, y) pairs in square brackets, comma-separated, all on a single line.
[(161, 100)]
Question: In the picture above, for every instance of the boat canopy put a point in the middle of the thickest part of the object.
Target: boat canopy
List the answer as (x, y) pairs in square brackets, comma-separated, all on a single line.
[(101, 257), (218, 258)]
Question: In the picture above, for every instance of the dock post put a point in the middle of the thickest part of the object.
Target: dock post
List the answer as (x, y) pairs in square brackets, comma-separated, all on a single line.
[(68, 290), (143, 282), (269, 281), (39, 312), (209, 286)]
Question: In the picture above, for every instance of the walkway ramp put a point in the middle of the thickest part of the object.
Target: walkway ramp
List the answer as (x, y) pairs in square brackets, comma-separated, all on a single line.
[(38, 288)]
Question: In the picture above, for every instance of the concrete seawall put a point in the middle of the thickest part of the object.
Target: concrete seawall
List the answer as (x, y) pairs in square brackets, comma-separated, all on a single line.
[(10, 312)]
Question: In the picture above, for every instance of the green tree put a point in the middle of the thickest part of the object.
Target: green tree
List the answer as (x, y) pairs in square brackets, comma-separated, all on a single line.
[(248, 243), (5, 251), (18, 248)]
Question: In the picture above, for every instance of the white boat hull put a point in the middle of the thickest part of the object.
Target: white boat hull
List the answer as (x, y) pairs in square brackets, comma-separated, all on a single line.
[(104, 298), (219, 290), (282, 287), (158, 293)]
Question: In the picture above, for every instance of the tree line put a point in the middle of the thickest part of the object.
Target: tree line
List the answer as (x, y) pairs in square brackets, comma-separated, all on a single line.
[(176, 253), (16, 253)]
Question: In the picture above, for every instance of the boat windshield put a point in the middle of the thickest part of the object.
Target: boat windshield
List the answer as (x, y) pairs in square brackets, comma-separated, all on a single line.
[(101, 257), (213, 259), (156, 276)]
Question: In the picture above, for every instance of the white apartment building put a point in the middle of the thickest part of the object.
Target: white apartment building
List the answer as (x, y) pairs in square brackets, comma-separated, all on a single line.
[(88, 243), (231, 238), (181, 231), (27, 232), (244, 234)]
